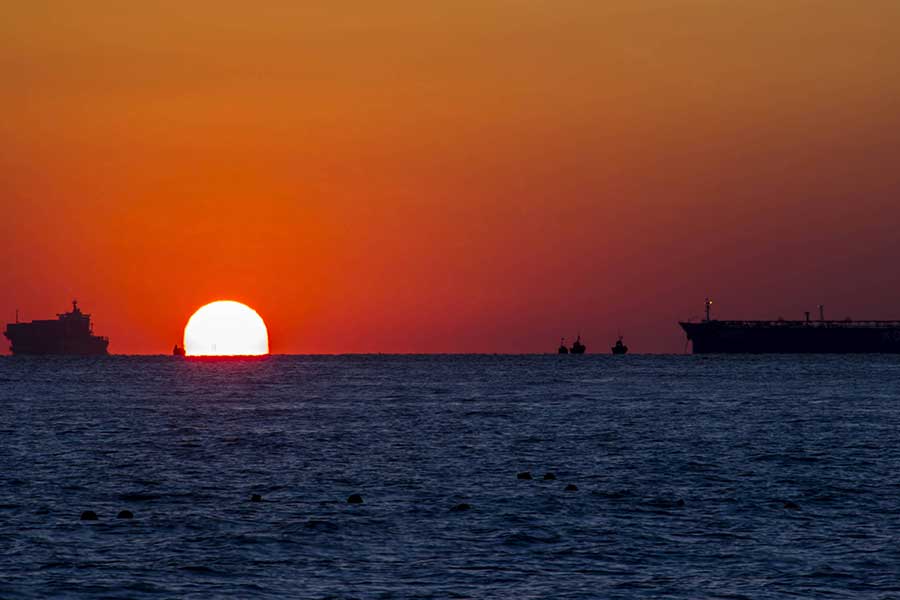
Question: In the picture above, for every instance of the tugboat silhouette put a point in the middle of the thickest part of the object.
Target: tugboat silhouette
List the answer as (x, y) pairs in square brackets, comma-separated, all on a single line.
[(577, 347), (619, 348)]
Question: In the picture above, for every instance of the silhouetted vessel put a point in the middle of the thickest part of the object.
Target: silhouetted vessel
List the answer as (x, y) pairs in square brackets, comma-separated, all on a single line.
[(69, 333), (562, 347), (178, 351), (798, 337), (578, 347), (619, 348)]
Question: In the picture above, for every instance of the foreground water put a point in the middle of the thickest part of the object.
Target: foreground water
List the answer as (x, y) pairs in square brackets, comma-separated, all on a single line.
[(684, 467)]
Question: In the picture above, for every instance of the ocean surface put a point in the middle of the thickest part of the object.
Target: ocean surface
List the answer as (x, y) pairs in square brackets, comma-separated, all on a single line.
[(697, 477)]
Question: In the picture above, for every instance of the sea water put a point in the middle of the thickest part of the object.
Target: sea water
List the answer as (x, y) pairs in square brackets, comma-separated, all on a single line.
[(716, 477)]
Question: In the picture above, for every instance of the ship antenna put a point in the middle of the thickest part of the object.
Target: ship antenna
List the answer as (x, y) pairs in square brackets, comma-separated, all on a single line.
[(708, 304), (17, 315), (821, 312)]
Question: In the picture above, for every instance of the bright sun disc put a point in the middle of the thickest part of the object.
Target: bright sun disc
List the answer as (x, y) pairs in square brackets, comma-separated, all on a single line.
[(226, 328)]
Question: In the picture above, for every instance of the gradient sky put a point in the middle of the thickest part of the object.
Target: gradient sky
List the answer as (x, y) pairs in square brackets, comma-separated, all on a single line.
[(449, 176)]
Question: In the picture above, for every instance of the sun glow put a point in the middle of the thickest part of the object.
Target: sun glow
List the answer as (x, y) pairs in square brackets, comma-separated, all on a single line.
[(226, 328)]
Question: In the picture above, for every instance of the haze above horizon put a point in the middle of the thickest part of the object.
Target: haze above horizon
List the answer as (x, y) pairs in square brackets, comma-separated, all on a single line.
[(449, 176)]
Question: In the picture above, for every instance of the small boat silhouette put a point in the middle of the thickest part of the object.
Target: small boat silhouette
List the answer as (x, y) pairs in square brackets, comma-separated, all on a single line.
[(578, 347), (562, 347), (620, 348), (178, 351)]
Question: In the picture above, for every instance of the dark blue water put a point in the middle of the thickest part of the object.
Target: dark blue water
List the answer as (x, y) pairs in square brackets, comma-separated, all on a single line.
[(683, 467)]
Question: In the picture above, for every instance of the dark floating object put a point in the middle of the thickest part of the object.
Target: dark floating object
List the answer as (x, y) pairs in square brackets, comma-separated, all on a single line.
[(562, 347), (571, 488), (71, 333), (255, 498), (791, 505), (178, 351), (578, 347), (619, 348), (461, 507), (680, 502), (549, 477), (523, 475), (88, 515), (125, 514), (354, 499), (804, 336)]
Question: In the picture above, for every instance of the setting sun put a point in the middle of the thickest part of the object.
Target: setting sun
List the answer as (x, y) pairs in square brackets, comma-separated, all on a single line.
[(226, 328)]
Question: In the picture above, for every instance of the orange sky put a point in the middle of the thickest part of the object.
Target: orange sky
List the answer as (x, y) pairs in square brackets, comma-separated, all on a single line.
[(487, 176)]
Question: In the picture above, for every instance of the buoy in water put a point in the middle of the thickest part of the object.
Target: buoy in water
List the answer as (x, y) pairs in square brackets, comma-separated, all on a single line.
[(125, 514), (549, 477), (461, 507), (571, 488), (523, 475), (88, 515), (255, 498), (354, 499)]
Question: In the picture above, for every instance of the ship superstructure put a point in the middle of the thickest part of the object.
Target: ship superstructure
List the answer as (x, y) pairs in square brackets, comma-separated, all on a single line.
[(807, 336), (69, 333)]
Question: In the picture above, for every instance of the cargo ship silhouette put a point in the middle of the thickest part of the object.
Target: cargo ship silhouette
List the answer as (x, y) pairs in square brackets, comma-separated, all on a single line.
[(808, 336), (70, 333)]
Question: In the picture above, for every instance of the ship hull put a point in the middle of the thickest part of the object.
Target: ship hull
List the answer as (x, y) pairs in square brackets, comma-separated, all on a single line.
[(793, 337), (30, 342)]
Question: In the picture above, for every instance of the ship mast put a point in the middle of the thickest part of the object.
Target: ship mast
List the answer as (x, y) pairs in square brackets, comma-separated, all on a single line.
[(708, 304)]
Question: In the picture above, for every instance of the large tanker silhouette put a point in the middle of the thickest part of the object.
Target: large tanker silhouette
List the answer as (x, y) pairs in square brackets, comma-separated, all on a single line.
[(798, 337)]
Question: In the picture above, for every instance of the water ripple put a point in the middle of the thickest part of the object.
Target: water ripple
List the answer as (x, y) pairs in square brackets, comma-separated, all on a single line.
[(719, 477)]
